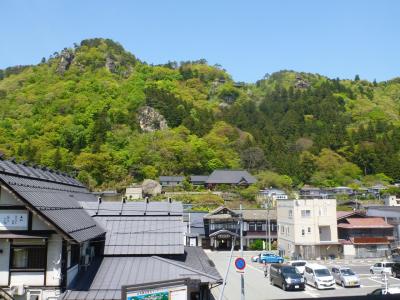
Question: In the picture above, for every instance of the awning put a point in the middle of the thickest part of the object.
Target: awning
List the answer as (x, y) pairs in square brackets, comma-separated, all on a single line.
[(21, 236)]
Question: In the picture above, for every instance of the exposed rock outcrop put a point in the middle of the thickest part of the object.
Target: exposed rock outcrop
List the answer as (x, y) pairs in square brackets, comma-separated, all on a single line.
[(150, 119), (151, 187), (110, 64), (66, 58)]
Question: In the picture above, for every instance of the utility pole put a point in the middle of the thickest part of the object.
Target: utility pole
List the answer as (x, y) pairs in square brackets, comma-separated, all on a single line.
[(241, 254), (268, 229)]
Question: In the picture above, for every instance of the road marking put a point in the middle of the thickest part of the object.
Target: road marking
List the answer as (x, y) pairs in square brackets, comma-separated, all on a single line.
[(257, 269)]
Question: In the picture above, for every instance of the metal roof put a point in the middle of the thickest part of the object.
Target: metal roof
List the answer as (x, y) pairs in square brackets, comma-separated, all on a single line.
[(55, 198), (230, 177), (198, 178), (111, 208), (171, 178), (115, 272), (143, 235), (13, 168)]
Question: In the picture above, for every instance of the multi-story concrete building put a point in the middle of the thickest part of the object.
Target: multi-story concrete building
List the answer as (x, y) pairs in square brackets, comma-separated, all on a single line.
[(392, 200), (307, 228)]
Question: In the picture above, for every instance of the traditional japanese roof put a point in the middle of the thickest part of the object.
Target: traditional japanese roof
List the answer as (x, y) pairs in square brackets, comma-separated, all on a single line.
[(145, 235), (140, 228), (196, 222), (364, 223), (114, 272), (230, 177), (53, 197), (257, 214), (133, 208), (221, 213), (171, 178), (198, 178)]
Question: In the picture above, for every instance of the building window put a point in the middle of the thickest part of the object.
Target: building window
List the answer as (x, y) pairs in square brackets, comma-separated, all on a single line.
[(252, 226), (306, 213), (290, 213), (259, 226), (303, 232), (282, 229), (309, 230), (28, 257)]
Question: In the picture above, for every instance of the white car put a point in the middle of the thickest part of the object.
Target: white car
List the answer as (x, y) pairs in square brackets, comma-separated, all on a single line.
[(345, 277), (299, 264), (256, 258), (381, 267), (319, 277)]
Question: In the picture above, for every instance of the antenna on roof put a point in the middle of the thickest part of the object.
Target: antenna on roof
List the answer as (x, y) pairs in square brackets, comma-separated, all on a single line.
[(147, 200), (123, 199), (169, 200), (13, 160), (99, 199)]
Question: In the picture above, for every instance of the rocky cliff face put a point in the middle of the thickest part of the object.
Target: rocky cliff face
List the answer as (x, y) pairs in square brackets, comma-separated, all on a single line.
[(151, 120), (67, 56)]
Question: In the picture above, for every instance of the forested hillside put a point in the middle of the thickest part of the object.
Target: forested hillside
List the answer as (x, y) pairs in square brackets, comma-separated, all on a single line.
[(82, 110)]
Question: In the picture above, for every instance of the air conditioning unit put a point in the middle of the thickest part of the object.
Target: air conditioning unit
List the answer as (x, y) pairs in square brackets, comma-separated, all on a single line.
[(18, 289)]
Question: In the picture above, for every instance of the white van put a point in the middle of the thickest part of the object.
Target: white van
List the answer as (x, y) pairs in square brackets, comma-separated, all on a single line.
[(299, 264), (319, 277)]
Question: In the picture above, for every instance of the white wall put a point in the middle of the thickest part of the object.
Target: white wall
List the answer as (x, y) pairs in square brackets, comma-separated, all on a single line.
[(27, 278), (6, 198), (4, 261), (349, 251), (38, 224), (53, 272), (71, 273)]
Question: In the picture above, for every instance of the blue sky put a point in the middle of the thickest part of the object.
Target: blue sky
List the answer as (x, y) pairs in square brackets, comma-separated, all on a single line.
[(338, 38)]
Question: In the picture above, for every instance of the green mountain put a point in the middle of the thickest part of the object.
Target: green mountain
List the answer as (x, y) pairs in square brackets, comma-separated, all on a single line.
[(99, 111)]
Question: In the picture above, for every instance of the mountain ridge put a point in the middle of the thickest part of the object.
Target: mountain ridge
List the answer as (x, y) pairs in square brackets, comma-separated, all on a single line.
[(78, 111)]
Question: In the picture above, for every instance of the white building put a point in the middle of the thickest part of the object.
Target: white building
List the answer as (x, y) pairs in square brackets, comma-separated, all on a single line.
[(134, 193), (392, 200), (307, 228), (271, 195)]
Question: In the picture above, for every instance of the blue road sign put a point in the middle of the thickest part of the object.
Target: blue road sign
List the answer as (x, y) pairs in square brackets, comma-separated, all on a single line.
[(240, 264)]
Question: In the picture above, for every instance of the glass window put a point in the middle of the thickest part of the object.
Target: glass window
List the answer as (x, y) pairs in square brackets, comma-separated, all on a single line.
[(252, 226), (306, 213), (32, 257), (259, 226), (303, 232), (290, 213), (309, 230)]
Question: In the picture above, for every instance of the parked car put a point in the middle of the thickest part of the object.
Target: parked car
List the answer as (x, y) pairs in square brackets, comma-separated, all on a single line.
[(287, 277), (256, 258), (382, 291), (381, 267), (299, 264), (345, 276), (396, 270), (319, 277), (267, 257)]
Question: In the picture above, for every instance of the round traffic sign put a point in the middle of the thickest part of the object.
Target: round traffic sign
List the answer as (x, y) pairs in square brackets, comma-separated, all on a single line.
[(240, 264)]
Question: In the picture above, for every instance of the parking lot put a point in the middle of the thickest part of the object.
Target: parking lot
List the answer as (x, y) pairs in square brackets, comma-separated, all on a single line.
[(258, 288)]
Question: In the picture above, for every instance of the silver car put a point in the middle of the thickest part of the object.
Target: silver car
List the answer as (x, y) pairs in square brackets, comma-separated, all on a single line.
[(345, 277)]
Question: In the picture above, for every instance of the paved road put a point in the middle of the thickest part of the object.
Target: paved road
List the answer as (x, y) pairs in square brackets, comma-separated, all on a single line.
[(258, 288)]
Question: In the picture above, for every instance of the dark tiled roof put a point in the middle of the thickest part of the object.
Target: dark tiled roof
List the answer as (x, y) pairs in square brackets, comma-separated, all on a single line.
[(146, 235), (198, 178), (111, 208), (55, 197), (172, 178), (115, 272), (230, 177), (21, 170), (196, 258)]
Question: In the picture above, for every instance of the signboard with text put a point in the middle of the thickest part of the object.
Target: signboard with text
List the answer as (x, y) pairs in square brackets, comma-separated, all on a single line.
[(178, 289), (12, 220)]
